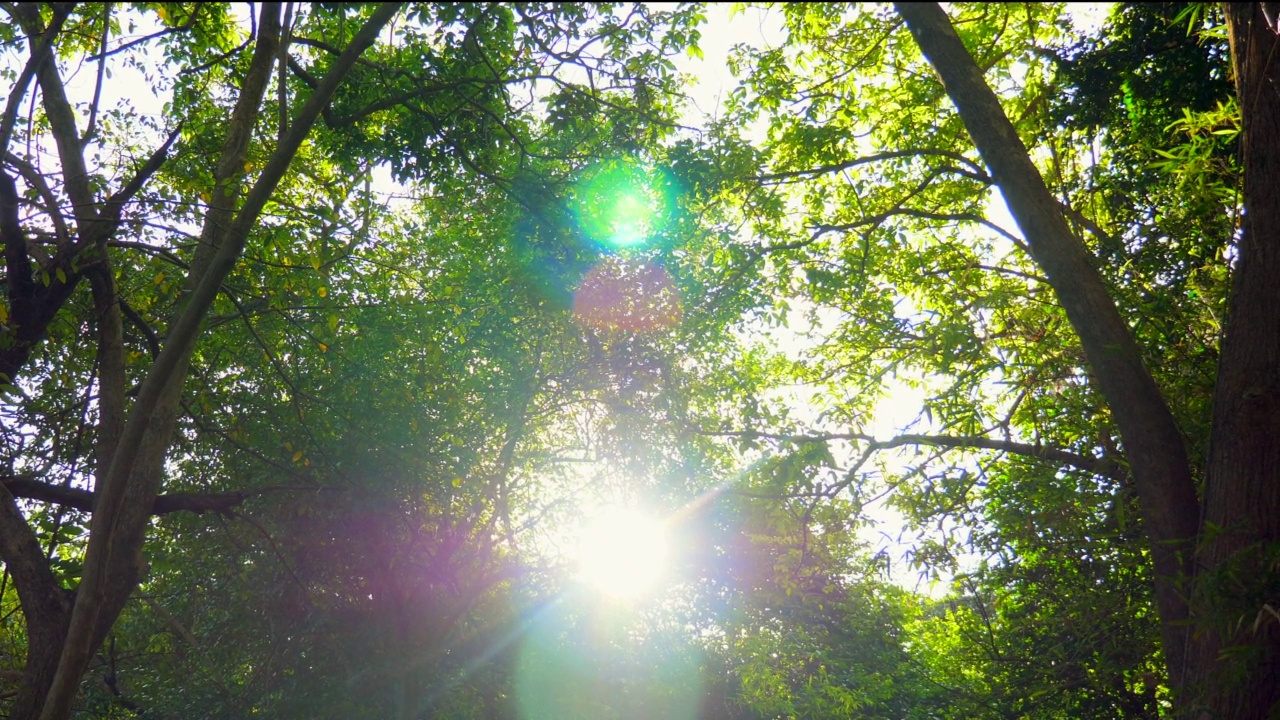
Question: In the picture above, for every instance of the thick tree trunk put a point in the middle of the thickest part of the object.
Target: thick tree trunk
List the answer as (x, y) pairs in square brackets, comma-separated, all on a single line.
[(1152, 440), (46, 608), (1236, 658)]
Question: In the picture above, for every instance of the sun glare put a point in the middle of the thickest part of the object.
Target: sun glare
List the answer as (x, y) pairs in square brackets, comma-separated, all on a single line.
[(621, 204), (631, 215), (622, 552)]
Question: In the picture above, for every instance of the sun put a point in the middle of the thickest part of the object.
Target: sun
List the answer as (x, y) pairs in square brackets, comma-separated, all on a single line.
[(622, 552)]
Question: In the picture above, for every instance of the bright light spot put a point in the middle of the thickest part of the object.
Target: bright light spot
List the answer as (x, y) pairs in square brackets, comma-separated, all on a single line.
[(622, 552), (621, 204), (630, 219)]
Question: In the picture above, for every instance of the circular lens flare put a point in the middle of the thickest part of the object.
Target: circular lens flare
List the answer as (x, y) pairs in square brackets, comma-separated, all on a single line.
[(622, 553), (631, 215), (621, 295), (621, 204)]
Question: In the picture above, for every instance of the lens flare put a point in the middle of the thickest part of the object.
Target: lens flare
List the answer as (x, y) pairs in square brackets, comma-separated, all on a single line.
[(620, 204), (621, 295), (577, 662)]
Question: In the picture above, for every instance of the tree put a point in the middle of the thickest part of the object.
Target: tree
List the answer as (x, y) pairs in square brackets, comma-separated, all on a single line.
[(866, 154), (1193, 553), (131, 445), (257, 204)]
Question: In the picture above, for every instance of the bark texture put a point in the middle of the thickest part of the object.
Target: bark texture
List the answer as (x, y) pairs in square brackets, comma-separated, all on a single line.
[(1237, 654)]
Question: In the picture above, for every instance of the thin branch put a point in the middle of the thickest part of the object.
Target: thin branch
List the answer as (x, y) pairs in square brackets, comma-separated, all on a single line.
[(820, 230), (1102, 467), (153, 340), (976, 170), (177, 628), (220, 58), (190, 23), (91, 126), (1083, 221), (113, 209), (36, 180), (282, 90), (40, 52)]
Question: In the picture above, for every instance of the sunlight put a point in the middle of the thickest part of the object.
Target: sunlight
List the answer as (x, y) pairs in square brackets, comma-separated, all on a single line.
[(622, 552), (620, 204), (631, 215)]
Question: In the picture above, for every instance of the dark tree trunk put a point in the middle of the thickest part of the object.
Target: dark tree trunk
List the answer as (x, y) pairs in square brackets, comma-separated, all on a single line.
[(1152, 440), (46, 607), (1236, 657), (63, 635)]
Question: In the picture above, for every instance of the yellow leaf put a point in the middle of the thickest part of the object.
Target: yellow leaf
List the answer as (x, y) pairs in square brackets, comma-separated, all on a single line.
[(323, 347), (204, 196), (159, 278), (315, 262), (457, 482), (248, 166), (297, 456), (323, 292), (4, 313)]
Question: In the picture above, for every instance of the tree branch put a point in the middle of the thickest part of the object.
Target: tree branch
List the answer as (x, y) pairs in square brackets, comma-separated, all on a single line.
[(28, 488), (878, 218), (1102, 467), (62, 123), (40, 52), (114, 206), (37, 181), (91, 127), (112, 382), (975, 170)]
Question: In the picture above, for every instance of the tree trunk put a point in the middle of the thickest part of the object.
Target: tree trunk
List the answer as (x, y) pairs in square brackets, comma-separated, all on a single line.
[(1236, 657), (63, 635), (46, 608), (1152, 440)]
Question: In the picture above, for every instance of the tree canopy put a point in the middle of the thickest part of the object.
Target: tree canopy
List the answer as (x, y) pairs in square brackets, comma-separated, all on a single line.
[(328, 328)]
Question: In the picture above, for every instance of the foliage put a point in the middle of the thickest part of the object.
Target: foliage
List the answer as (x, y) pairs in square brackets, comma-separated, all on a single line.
[(496, 284)]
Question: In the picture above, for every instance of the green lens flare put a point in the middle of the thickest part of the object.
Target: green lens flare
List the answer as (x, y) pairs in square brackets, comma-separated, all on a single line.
[(579, 662), (621, 204), (631, 216)]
